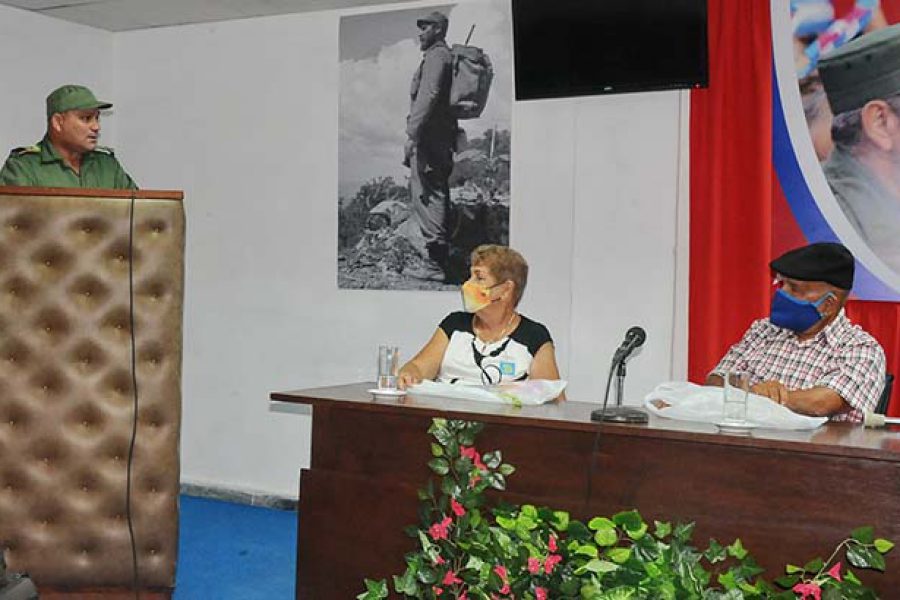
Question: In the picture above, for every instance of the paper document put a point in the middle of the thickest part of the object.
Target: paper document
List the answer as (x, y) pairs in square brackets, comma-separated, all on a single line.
[(530, 392)]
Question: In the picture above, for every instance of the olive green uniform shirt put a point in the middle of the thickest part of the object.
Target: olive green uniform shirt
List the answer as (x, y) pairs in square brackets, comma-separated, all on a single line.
[(41, 166)]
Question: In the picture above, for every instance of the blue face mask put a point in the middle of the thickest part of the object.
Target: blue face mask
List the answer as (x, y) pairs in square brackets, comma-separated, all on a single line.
[(793, 314)]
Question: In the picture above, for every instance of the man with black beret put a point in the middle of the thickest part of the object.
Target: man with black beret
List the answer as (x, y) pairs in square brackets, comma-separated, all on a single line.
[(862, 84), (807, 355), (69, 155)]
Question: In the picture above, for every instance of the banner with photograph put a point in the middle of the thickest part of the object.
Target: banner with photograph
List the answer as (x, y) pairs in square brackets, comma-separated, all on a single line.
[(836, 133), (424, 147)]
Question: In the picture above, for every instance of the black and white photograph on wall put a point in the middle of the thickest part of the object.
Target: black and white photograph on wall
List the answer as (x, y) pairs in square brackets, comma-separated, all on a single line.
[(424, 146)]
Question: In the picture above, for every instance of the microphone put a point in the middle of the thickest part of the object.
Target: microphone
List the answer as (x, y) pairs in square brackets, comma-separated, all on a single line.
[(872, 419), (634, 339)]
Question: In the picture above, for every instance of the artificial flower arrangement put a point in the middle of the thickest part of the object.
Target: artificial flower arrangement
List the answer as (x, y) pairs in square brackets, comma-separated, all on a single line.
[(469, 551)]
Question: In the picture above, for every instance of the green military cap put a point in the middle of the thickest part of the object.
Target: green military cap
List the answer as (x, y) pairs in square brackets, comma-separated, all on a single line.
[(867, 68), (73, 97), (433, 17)]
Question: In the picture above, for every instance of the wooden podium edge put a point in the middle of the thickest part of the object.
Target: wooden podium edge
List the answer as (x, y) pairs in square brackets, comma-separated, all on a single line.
[(15, 190)]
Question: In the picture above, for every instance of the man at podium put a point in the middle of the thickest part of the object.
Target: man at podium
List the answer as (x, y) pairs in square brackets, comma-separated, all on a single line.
[(68, 156)]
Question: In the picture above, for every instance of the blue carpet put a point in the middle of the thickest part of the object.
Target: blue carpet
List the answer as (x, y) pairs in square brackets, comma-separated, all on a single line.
[(229, 550)]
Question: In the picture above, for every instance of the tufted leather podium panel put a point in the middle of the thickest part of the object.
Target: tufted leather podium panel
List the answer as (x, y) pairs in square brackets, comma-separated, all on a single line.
[(66, 392)]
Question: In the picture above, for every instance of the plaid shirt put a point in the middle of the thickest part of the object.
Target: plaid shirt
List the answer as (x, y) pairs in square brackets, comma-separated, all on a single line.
[(842, 357)]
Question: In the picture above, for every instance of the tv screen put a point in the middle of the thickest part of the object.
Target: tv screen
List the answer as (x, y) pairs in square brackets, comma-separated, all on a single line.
[(585, 47)]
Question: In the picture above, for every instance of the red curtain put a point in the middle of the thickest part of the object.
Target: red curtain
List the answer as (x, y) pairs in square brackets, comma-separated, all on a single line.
[(731, 183), (736, 202)]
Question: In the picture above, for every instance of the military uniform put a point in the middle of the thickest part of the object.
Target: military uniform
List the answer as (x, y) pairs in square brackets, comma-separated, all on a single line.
[(42, 166), (431, 127)]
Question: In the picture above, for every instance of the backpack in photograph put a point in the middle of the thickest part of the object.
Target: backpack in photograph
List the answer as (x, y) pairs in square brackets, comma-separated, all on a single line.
[(471, 80)]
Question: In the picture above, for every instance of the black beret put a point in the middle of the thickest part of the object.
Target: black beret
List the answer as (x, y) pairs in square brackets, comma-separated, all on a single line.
[(823, 261)]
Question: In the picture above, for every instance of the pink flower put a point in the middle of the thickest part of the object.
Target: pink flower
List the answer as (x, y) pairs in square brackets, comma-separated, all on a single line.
[(472, 454), (450, 578), (552, 561), (439, 560), (540, 593), (551, 544), (835, 571), (437, 591), (439, 531), (464, 595), (501, 572), (808, 591), (534, 565), (457, 508)]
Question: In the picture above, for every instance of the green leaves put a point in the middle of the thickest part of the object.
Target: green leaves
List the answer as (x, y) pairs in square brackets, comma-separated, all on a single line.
[(374, 590), (715, 553), (439, 466), (737, 550), (598, 523), (619, 555), (606, 536), (406, 584), (864, 535), (559, 520), (662, 530), (596, 566), (466, 546), (865, 557)]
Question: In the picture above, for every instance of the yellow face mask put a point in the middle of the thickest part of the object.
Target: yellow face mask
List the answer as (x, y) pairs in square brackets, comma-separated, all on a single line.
[(475, 296)]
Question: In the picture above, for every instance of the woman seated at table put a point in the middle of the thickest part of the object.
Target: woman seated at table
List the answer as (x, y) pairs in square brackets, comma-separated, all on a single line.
[(490, 343)]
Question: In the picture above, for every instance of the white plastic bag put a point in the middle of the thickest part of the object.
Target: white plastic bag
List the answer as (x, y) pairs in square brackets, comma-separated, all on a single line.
[(687, 401)]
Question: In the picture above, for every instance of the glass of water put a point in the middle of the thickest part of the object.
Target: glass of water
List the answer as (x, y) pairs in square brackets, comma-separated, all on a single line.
[(388, 367), (735, 390)]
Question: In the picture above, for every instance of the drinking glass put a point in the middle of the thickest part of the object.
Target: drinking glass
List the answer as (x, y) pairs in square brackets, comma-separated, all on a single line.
[(735, 391), (388, 366)]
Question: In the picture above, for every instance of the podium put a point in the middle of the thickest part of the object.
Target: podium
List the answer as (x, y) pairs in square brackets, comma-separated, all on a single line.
[(789, 496), (86, 278)]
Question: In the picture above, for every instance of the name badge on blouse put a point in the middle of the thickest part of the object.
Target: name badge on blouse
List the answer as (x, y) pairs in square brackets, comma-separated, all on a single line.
[(508, 368)]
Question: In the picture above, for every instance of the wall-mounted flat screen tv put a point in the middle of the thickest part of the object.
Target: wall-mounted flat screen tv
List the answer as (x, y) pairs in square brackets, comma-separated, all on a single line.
[(585, 47)]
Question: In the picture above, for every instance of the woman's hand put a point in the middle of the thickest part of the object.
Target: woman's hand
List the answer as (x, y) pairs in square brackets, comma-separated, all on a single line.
[(409, 375), (425, 364)]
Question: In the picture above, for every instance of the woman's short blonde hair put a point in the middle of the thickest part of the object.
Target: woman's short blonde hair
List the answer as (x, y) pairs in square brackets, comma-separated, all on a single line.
[(505, 264)]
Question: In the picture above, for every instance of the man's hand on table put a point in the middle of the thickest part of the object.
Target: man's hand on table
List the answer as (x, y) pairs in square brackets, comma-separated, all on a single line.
[(774, 390)]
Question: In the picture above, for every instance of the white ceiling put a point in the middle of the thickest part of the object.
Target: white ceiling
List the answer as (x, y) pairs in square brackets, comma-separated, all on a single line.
[(124, 15)]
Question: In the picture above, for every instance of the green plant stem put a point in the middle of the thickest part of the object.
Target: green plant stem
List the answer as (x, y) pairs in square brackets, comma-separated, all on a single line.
[(837, 549)]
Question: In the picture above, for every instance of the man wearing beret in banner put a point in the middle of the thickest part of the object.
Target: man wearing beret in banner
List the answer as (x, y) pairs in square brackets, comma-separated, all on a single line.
[(68, 156), (808, 356), (862, 84)]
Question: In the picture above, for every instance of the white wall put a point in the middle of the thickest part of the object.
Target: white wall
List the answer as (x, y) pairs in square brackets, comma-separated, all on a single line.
[(39, 55), (243, 117)]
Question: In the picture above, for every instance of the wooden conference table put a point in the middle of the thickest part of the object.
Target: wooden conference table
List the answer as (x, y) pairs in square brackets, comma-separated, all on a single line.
[(789, 496)]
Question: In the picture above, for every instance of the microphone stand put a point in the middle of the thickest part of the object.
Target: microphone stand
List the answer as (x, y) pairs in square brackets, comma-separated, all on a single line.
[(619, 413)]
